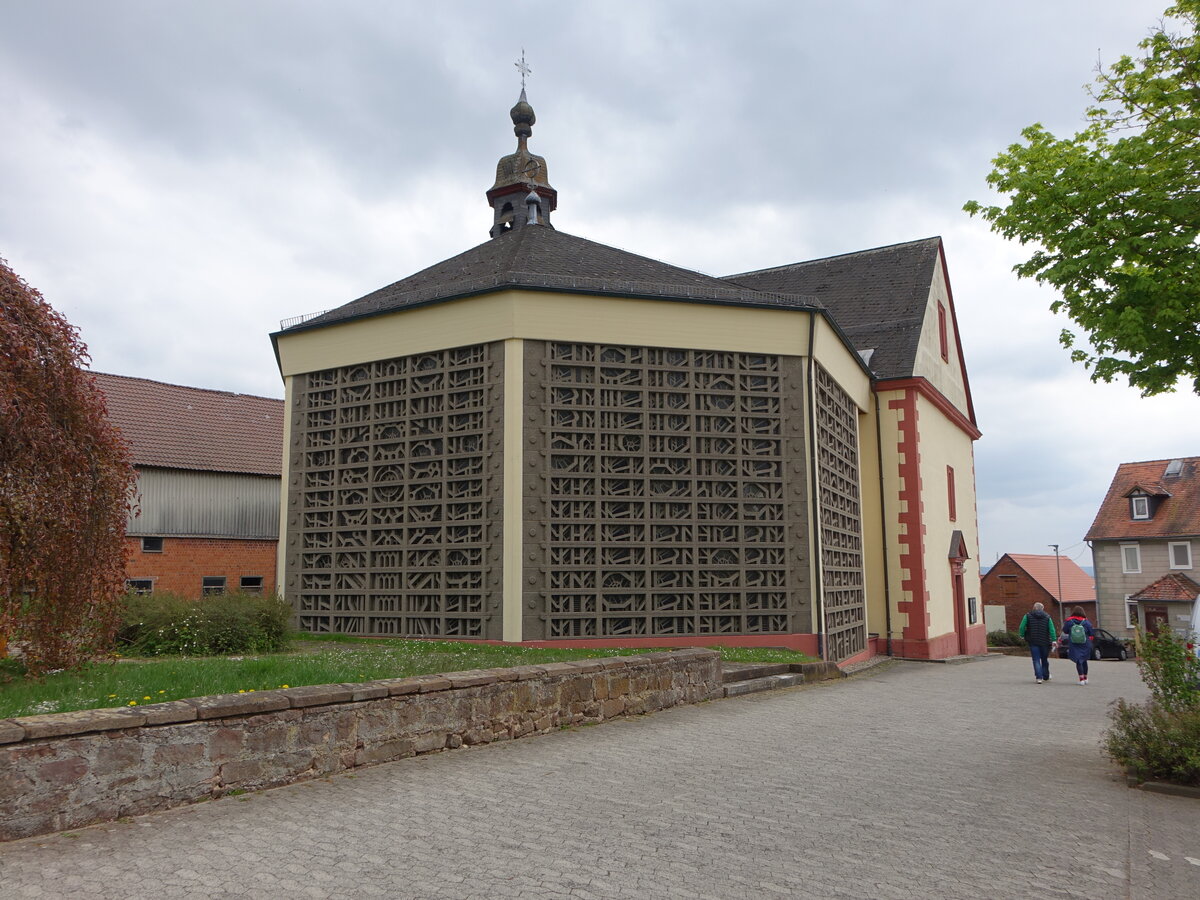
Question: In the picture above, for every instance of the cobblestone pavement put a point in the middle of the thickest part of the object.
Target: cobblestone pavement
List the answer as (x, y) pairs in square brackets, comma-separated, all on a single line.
[(913, 780)]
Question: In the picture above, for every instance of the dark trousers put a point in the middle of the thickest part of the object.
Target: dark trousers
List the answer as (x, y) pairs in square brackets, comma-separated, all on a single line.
[(1041, 661)]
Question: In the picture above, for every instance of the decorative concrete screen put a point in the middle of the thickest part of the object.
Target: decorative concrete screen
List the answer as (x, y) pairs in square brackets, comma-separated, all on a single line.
[(394, 514), (665, 492), (841, 519)]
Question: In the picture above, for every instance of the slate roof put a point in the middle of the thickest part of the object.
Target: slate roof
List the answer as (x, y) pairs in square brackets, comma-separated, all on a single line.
[(878, 297), (547, 259), (1077, 585), (176, 427), (1176, 515), (1175, 587)]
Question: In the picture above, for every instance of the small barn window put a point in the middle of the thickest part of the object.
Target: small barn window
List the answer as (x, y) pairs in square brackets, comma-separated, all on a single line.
[(152, 545), (213, 584), (1008, 585)]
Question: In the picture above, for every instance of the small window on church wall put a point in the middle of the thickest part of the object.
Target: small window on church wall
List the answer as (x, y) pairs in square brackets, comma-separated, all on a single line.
[(950, 498), (943, 336)]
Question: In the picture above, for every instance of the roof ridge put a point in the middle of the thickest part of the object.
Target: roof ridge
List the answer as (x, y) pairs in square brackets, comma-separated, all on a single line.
[(185, 387), (819, 259)]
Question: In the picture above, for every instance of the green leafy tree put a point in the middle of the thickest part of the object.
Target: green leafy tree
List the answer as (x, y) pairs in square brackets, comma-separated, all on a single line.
[(1115, 210), (66, 488)]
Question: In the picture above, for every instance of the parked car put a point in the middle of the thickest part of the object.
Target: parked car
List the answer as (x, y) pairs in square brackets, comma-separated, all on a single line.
[(1104, 646)]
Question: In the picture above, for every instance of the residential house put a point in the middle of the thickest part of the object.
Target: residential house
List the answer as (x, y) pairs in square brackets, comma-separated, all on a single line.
[(552, 441), (1019, 580), (1144, 544), (208, 466)]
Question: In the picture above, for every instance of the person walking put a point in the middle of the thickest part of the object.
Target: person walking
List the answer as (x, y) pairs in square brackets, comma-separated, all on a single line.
[(1077, 638), (1038, 630)]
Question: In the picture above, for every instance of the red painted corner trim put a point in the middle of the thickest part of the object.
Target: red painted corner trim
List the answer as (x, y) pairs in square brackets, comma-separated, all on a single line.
[(911, 520), (934, 396)]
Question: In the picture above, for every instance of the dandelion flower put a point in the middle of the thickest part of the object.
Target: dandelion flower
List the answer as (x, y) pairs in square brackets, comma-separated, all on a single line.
[(133, 703), (242, 691), (110, 696), (162, 692), (283, 685), (147, 697)]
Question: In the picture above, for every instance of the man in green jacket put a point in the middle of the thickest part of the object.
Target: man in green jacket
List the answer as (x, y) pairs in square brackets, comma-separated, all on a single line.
[(1038, 630)]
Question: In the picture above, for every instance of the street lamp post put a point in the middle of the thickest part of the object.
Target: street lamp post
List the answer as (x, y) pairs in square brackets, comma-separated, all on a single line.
[(1062, 615)]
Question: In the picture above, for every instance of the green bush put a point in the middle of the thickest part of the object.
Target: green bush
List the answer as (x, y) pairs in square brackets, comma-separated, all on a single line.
[(1160, 738), (1005, 639), (219, 624), (1153, 742), (1170, 670)]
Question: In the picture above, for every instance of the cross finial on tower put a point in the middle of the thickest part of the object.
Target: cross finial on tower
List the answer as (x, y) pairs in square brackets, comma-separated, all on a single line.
[(523, 68)]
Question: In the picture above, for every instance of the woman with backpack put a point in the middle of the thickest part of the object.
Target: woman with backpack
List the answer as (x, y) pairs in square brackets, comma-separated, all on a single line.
[(1077, 638)]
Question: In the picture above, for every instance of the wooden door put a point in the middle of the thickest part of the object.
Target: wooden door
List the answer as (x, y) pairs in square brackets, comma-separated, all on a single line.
[(1156, 618)]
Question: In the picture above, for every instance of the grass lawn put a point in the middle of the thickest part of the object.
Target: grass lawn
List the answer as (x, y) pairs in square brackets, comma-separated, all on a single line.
[(314, 659)]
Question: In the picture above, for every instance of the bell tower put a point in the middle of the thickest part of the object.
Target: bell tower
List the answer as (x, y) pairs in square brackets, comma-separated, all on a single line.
[(522, 194)]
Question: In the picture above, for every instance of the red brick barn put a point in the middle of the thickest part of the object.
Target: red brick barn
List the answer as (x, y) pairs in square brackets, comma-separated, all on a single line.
[(1020, 580), (208, 465)]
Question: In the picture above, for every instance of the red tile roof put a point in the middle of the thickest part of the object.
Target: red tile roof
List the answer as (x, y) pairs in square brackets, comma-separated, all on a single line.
[(1176, 515), (176, 427), (1176, 586), (1077, 585)]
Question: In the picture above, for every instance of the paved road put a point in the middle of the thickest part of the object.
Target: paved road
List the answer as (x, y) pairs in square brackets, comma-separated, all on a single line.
[(915, 780)]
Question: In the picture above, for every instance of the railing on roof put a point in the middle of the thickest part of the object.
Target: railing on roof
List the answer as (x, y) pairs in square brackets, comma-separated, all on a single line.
[(577, 282)]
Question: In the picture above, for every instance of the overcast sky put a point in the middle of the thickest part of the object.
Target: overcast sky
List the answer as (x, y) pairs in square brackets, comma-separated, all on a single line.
[(177, 177)]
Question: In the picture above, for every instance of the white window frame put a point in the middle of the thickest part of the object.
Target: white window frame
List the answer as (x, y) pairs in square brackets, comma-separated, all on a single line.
[(139, 585), (1187, 548), (1131, 613), (1137, 554), (1139, 506)]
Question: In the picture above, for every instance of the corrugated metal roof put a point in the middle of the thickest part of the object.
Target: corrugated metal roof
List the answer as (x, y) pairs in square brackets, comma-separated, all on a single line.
[(1077, 585), (1177, 512), (176, 427)]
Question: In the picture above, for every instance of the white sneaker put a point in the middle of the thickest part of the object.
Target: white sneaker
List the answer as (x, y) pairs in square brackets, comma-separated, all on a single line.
[(1047, 676), (1039, 681)]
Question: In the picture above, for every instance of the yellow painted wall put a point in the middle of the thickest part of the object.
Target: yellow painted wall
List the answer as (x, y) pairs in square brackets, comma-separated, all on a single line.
[(892, 506), (281, 551), (944, 444), (535, 315), (841, 362), (872, 523), (945, 375)]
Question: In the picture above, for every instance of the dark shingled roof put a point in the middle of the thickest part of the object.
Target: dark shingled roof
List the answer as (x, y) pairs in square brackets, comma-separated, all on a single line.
[(175, 427), (877, 297), (1177, 513), (547, 259)]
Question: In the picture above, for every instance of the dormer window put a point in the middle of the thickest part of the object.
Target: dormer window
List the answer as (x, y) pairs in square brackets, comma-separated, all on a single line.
[(1139, 506)]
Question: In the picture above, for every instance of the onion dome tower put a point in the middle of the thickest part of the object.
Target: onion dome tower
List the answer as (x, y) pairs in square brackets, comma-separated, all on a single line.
[(522, 194)]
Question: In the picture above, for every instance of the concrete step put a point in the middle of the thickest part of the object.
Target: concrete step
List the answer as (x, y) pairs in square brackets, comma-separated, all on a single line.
[(766, 683), (732, 672)]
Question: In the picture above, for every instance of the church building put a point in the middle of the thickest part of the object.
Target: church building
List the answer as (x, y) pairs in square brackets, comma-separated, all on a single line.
[(548, 440)]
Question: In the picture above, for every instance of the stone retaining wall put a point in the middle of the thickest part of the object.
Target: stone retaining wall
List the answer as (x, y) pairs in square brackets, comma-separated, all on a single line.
[(67, 770)]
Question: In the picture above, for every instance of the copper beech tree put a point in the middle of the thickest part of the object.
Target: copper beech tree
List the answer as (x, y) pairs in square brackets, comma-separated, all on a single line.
[(66, 489)]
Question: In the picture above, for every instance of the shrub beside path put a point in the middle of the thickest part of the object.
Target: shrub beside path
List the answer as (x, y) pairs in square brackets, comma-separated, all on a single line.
[(911, 780)]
